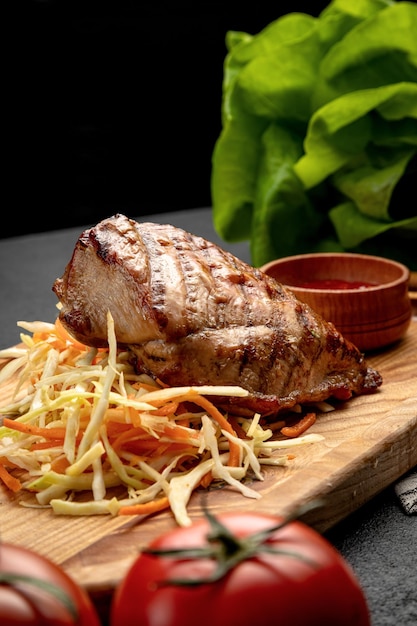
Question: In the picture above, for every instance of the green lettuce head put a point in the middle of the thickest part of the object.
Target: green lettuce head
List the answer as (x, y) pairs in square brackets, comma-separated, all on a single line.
[(318, 148)]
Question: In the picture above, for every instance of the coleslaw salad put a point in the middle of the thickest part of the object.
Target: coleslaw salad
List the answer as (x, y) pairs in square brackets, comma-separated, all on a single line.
[(89, 435)]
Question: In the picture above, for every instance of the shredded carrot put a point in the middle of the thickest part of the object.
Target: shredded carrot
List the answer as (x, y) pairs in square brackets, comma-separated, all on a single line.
[(237, 427), (206, 480), (168, 409), (145, 386), (130, 435), (63, 334), (234, 450), (49, 433), (5, 461), (45, 445), (135, 418), (300, 427), (147, 508), (277, 425), (10, 481), (178, 434), (115, 429), (60, 465)]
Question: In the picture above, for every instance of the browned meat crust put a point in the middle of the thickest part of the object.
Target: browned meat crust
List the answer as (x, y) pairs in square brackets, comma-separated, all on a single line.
[(194, 314)]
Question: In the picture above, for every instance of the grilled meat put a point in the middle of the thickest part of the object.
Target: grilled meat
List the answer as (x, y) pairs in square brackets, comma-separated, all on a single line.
[(194, 314)]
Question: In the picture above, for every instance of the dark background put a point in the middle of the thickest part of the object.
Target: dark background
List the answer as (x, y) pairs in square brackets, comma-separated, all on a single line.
[(115, 106)]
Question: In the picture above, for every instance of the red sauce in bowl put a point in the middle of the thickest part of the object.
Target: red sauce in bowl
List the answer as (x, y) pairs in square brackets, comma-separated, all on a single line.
[(335, 283)]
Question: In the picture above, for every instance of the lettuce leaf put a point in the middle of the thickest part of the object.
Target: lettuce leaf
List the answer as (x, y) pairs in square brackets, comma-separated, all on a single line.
[(319, 133), (341, 130)]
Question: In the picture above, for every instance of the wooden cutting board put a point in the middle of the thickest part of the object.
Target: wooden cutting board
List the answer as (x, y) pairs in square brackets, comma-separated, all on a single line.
[(369, 442)]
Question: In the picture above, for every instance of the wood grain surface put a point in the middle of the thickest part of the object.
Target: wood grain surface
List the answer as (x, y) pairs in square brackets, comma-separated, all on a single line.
[(369, 442)]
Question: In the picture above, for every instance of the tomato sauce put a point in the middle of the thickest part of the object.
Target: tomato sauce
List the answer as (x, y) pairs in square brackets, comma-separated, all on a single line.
[(335, 283)]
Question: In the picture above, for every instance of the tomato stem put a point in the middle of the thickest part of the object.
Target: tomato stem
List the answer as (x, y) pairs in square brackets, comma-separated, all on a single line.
[(13, 580), (227, 550)]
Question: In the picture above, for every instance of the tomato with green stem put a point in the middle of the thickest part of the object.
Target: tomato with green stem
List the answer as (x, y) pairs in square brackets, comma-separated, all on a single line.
[(34, 591), (239, 569)]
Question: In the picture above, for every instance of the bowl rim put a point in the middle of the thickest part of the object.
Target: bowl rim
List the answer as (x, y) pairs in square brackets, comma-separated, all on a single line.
[(404, 276)]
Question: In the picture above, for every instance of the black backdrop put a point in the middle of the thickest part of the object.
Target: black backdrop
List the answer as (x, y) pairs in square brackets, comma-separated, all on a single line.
[(115, 106)]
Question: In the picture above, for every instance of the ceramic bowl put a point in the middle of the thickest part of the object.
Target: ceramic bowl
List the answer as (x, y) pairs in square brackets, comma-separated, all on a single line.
[(366, 299)]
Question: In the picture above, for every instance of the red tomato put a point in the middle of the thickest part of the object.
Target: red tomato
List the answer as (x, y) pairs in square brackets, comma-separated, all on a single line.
[(36, 592), (292, 577)]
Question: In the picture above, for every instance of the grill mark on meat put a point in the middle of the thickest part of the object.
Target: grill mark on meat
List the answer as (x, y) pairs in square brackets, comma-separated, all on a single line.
[(159, 268), (227, 288), (196, 281), (194, 314), (243, 287), (217, 300)]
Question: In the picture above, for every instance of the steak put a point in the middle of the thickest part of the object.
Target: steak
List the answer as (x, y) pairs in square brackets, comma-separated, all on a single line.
[(193, 314)]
